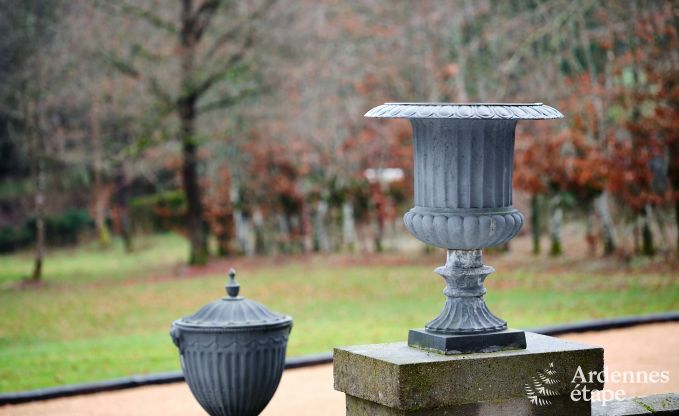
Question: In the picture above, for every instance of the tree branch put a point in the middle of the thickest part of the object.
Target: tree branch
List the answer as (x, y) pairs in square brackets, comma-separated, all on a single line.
[(231, 33), (217, 76), (203, 16), (550, 27), (225, 102), (161, 94), (127, 68), (146, 15)]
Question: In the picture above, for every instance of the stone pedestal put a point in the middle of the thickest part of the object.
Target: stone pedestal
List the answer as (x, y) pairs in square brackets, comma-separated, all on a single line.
[(394, 379)]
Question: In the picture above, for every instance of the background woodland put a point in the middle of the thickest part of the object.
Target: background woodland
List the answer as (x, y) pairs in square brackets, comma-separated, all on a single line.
[(240, 124)]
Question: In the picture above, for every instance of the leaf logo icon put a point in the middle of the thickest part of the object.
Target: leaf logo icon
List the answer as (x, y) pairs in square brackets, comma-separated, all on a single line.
[(538, 391)]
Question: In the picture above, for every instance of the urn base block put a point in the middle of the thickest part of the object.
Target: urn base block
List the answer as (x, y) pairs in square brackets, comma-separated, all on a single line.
[(395, 379), (449, 344)]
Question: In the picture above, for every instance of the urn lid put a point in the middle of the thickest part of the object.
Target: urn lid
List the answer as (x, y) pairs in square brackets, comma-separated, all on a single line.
[(493, 111), (233, 312)]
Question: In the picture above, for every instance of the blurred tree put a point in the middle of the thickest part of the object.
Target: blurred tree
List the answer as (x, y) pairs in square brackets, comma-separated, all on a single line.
[(31, 70), (531, 160), (660, 62), (641, 147), (213, 66), (666, 123), (285, 169)]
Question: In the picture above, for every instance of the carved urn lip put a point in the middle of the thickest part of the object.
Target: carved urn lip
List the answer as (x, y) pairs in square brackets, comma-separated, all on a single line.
[(465, 111)]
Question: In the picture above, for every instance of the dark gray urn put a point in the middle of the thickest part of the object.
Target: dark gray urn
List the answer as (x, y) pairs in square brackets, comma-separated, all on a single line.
[(464, 159), (232, 353)]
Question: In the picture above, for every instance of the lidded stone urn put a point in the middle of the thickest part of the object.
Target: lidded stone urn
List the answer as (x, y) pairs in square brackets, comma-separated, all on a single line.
[(232, 353), (464, 155)]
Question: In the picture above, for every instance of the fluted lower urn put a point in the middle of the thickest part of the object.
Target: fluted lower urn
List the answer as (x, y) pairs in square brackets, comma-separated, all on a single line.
[(464, 155), (232, 353)]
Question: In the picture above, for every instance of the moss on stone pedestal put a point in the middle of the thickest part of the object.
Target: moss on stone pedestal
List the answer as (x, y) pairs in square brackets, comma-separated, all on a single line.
[(411, 381)]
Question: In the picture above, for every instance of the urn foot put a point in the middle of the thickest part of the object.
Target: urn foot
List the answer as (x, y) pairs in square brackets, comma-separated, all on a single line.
[(465, 324), (449, 344)]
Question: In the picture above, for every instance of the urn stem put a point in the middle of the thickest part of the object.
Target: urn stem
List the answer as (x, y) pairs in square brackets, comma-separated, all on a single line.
[(465, 310)]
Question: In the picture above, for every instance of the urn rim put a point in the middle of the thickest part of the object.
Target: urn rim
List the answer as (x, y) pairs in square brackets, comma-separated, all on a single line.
[(465, 111), (226, 327), (471, 104)]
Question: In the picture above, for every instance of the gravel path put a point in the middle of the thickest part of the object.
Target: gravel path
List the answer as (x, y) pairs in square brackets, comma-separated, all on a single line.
[(308, 391)]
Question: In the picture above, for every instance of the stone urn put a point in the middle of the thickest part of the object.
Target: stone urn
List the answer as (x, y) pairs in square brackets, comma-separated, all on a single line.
[(232, 353), (464, 155)]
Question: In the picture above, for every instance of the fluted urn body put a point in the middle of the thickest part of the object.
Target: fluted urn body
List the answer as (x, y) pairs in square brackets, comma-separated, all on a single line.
[(232, 353), (463, 183), (464, 155)]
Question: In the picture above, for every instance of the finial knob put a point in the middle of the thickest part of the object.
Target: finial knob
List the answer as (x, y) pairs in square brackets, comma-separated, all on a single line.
[(232, 288)]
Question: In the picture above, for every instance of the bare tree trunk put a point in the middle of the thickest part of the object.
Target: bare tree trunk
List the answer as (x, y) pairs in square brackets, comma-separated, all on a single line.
[(607, 226), (241, 226), (102, 196), (305, 228), (195, 223), (261, 246), (379, 233), (676, 219), (380, 209), (590, 232), (186, 107), (283, 233), (636, 235), (673, 174), (535, 222), (225, 231), (241, 231), (647, 246), (601, 202), (348, 228), (123, 212), (322, 238), (35, 119), (221, 221), (39, 216), (555, 226), (102, 192)]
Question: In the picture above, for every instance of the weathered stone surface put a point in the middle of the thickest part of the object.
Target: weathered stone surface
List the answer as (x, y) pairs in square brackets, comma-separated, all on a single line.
[(621, 408), (409, 379), (561, 405), (658, 404)]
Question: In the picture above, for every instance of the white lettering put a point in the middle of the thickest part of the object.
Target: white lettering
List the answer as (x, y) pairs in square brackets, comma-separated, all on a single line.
[(654, 377), (605, 396), (642, 375), (626, 374), (602, 376), (579, 375), (665, 376)]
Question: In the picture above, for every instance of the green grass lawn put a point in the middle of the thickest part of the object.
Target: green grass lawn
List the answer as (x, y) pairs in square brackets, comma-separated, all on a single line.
[(103, 314)]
